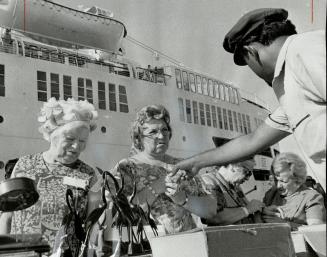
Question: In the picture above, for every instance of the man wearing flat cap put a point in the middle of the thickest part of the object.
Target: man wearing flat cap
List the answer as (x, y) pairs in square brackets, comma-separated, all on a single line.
[(294, 65)]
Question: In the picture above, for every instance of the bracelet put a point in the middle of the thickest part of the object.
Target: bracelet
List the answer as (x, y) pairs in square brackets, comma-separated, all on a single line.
[(246, 211)]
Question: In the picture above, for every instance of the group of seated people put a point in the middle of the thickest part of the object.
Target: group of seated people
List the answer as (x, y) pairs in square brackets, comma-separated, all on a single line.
[(178, 202)]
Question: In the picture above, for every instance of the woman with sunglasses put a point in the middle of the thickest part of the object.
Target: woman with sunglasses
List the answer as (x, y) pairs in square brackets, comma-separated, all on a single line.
[(172, 200)]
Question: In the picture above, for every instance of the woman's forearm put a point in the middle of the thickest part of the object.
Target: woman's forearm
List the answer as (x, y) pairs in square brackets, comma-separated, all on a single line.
[(315, 221)]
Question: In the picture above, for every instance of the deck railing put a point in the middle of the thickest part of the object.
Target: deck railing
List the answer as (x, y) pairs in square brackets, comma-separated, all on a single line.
[(8, 48), (152, 75), (59, 56)]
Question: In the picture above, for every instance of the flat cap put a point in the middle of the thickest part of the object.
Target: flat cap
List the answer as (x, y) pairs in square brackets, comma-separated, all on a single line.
[(247, 26)]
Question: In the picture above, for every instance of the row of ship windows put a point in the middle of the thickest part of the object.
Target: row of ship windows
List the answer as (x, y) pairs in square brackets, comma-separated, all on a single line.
[(84, 91), (205, 86), (210, 115)]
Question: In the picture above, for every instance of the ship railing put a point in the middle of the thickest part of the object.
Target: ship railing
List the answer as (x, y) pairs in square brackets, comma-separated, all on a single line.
[(151, 75), (9, 48), (36, 53), (59, 56), (39, 53), (116, 68)]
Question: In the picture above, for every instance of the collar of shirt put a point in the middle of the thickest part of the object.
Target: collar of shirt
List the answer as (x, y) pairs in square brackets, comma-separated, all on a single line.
[(297, 192), (281, 58), (223, 180)]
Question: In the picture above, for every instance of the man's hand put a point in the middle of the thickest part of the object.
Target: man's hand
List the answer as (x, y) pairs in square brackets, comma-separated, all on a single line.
[(254, 206), (187, 165)]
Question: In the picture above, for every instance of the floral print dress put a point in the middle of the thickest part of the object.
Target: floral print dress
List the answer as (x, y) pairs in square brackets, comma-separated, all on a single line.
[(173, 217), (46, 215)]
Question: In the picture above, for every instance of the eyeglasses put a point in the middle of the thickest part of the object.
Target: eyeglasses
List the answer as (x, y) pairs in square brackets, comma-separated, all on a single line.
[(155, 133), (247, 171)]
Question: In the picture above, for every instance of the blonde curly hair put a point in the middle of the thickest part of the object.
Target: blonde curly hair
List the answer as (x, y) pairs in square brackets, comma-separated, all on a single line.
[(56, 113), (291, 163)]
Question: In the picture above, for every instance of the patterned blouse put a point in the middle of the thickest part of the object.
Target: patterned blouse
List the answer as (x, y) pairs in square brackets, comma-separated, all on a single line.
[(173, 217), (46, 216)]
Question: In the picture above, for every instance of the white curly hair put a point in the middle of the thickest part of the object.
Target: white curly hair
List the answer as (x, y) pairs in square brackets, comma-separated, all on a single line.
[(56, 113)]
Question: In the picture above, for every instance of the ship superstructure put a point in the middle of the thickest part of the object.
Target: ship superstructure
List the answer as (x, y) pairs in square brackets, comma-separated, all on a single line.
[(35, 67)]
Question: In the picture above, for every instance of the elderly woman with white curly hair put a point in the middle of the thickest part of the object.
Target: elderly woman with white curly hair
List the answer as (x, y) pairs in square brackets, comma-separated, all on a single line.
[(293, 201), (66, 125)]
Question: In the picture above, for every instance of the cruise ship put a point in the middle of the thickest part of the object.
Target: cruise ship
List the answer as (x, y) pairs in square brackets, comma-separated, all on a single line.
[(49, 50)]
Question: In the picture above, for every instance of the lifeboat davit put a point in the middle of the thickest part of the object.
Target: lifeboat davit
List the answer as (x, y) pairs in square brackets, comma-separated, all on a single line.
[(56, 24)]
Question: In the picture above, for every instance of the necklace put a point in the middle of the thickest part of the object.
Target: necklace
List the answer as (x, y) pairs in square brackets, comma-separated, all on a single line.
[(155, 185)]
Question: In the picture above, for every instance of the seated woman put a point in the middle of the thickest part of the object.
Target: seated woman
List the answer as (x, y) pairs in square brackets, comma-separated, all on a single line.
[(171, 203), (66, 125), (293, 202)]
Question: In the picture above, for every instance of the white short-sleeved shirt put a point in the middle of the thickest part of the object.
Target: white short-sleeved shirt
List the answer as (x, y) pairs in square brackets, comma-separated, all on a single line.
[(300, 86)]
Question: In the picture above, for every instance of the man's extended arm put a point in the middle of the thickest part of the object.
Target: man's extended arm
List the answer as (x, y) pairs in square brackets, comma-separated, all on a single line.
[(235, 150)]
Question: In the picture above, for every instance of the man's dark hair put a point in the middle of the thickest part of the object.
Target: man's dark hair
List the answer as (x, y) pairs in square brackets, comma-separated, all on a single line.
[(268, 33), (273, 30)]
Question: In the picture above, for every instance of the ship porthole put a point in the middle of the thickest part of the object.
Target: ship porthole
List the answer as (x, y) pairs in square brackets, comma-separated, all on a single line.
[(103, 129), (184, 138), (1, 119), (2, 164)]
